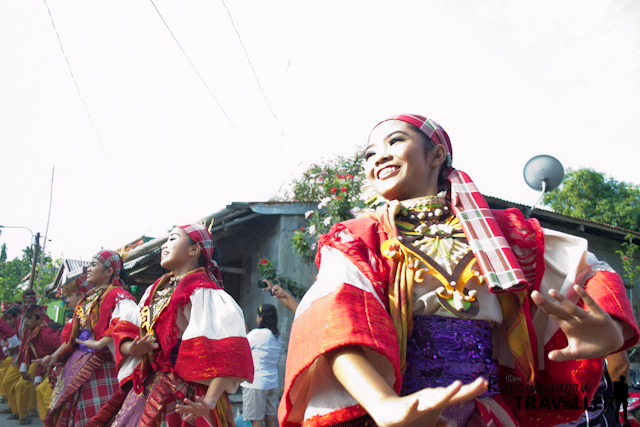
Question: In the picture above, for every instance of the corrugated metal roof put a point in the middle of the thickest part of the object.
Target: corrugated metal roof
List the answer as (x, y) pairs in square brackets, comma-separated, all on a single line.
[(568, 218)]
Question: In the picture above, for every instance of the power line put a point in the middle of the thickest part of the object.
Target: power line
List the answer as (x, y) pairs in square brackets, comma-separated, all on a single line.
[(80, 94), (194, 68), (255, 74)]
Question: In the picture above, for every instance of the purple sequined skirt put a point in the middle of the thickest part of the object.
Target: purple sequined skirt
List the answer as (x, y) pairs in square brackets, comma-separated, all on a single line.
[(441, 350)]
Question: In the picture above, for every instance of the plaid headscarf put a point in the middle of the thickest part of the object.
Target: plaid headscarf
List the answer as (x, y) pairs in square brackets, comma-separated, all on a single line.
[(82, 285), (113, 260), (30, 294), (40, 310), (499, 266), (201, 236)]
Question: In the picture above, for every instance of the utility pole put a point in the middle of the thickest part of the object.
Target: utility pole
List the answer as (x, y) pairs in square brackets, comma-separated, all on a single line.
[(34, 262)]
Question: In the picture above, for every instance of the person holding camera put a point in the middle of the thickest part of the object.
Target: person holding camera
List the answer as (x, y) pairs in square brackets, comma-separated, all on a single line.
[(260, 398), (285, 297)]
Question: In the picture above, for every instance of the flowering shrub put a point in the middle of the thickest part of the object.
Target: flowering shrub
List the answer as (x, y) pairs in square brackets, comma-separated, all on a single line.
[(269, 270), (626, 257), (336, 186)]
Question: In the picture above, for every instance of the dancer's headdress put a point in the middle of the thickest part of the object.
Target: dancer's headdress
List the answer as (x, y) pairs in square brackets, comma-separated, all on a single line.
[(113, 260), (201, 236)]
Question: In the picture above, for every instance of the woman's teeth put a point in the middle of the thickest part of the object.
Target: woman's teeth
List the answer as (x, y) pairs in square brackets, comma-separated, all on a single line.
[(387, 171)]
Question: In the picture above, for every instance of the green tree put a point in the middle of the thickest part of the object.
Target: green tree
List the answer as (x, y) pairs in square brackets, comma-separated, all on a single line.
[(591, 195), (12, 272)]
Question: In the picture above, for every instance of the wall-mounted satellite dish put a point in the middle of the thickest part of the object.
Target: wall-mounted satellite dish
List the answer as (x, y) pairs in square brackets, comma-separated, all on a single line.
[(543, 173)]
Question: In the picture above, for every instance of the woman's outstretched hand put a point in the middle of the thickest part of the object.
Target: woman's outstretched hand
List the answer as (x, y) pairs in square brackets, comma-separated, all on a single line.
[(144, 345), (591, 333), (424, 408), (48, 360), (190, 410)]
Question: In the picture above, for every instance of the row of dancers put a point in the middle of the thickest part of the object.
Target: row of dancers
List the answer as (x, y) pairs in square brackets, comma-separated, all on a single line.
[(430, 309)]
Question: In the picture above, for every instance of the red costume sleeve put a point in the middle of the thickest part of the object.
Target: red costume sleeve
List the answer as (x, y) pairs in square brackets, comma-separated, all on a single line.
[(46, 343), (347, 316), (6, 331), (122, 332)]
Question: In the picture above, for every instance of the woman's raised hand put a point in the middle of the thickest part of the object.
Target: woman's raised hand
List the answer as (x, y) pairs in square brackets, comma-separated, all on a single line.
[(144, 345), (424, 408), (590, 333)]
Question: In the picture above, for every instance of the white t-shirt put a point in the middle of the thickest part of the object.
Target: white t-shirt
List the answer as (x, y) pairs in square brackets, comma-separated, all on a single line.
[(265, 350)]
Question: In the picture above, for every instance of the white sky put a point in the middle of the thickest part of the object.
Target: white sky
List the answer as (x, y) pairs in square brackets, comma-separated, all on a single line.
[(508, 79)]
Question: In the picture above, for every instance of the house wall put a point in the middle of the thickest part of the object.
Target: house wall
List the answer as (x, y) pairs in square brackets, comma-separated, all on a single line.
[(267, 236)]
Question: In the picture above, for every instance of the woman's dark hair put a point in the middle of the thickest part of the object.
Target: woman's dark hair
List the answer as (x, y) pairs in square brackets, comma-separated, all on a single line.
[(124, 275), (269, 320), (13, 311)]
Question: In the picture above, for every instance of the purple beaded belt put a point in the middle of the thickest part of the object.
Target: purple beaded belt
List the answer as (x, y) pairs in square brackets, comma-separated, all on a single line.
[(441, 350), (86, 335)]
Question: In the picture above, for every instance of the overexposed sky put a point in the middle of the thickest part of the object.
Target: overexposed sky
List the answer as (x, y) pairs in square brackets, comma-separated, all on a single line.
[(508, 79)]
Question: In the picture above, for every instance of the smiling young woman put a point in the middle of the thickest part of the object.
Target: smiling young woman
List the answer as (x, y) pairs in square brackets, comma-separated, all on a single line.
[(187, 340), (412, 297), (89, 377)]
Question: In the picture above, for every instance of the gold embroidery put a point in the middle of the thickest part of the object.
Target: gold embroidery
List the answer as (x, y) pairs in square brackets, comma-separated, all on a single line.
[(149, 313), (83, 310)]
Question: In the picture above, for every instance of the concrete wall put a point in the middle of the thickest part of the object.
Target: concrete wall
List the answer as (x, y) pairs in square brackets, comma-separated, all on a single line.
[(266, 237)]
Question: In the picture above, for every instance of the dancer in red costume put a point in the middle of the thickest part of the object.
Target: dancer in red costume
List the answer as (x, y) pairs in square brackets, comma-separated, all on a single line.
[(188, 340), (434, 287), (89, 377)]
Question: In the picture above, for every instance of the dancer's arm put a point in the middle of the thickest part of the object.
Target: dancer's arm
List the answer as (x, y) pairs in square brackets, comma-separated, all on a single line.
[(51, 359), (204, 405), (96, 345), (618, 365), (139, 346), (352, 368)]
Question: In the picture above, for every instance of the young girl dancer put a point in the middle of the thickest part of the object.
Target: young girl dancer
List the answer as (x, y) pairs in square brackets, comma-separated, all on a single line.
[(189, 341), (434, 287), (90, 377)]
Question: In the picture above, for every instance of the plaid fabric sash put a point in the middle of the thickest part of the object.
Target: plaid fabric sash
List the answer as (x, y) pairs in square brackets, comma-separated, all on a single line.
[(493, 253)]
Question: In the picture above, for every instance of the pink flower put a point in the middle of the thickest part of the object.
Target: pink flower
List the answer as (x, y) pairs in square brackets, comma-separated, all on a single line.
[(301, 228), (625, 258)]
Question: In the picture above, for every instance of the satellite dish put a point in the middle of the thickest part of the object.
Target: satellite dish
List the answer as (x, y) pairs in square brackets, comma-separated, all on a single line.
[(543, 173)]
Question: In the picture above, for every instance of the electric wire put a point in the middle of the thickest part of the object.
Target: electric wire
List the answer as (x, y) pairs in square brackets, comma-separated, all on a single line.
[(194, 68), (80, 95), (255, 74)]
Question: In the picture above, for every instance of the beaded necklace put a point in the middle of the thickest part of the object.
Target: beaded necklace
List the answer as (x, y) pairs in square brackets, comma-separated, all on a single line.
[(160, 300), (427, 224)]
